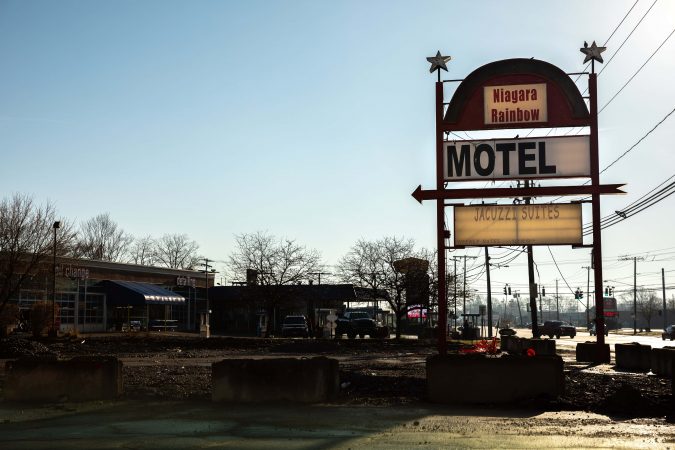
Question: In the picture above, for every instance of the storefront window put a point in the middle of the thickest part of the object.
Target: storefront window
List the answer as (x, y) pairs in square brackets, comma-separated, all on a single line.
[(66, 302)]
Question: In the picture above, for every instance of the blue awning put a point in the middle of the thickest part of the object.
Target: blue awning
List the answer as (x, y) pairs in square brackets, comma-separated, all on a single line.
[(131, 293)]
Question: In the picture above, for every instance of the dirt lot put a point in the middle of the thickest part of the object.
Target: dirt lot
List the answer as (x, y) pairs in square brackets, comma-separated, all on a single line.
[(372, 372)]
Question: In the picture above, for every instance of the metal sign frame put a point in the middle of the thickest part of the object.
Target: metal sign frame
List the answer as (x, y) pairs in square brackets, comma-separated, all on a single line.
[(565, 108)]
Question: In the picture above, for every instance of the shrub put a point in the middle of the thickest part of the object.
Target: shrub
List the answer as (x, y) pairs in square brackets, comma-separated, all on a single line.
[(41, 317), (9, 316)]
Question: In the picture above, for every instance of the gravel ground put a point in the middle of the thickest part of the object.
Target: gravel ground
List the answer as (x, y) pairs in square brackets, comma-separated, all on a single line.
[(372, 372)]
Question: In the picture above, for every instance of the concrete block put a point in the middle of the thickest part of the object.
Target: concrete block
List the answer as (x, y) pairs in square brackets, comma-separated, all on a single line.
[(519, 346), (505, 342), (662, 361), (50, 380), (305, 380), (541, 347), (633, 356), (591, 352), (477, 379)]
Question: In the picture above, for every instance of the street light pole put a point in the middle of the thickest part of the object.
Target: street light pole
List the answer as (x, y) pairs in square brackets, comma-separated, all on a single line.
[(53, 332)]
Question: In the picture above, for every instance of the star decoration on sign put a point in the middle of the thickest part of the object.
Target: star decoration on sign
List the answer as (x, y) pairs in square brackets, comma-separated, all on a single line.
[(438, 62), (592, 52)]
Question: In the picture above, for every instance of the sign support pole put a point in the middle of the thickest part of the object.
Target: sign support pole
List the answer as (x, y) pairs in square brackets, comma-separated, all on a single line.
[(440, 226), (595, 200), (530, 278)]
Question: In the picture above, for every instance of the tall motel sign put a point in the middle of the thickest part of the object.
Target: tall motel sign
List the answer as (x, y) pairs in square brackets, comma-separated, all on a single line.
[(516, 94)]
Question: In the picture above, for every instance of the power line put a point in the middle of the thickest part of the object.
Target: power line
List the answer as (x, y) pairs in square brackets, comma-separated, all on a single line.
[(636, 207), (610, 36), (638, 71), (627, 151), (604, 66), (561, 275), (639, 140)]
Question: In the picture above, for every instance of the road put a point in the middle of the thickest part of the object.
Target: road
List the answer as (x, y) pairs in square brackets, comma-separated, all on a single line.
[(624, 336), (200, 425)]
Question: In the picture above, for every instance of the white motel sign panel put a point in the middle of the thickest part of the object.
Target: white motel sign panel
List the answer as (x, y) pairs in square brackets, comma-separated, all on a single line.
[(537, 158), (516, 104), (540, 224)]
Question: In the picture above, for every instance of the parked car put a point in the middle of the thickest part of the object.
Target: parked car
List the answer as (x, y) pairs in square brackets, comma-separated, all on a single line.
[(668, 333), (593, 332), (356, 322), (557, 328), (295, 326)]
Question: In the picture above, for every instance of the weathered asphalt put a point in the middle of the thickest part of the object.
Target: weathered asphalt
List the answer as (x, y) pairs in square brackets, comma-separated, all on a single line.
[(153, 425)]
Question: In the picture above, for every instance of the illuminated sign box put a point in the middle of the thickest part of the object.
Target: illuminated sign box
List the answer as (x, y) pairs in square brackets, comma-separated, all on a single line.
[(540, 224), (506, 159), (516, 103)]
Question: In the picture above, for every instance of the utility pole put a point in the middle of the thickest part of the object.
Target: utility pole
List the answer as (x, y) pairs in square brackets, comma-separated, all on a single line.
[(588, 294), (489, 292), (557, 306), (464, 293), (634, 258), (665, 311), (454, 314), (530, 275), (318, 274)]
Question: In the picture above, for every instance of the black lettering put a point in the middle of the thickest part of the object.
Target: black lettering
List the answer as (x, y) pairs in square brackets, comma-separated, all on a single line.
[(557, 211), (460, 163), (524, 157), (489, 168), (543, 168), (505, 149)]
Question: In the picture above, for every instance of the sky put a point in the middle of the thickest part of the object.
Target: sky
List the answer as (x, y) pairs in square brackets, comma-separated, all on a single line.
[(312, 120)]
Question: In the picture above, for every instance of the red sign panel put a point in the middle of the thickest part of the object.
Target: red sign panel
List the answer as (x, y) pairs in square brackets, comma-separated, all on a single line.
[(516, 93)]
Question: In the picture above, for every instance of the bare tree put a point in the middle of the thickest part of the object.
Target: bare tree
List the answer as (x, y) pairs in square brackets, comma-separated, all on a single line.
[(101, 238), (647, 305), (278, 261), (142, 251), (176, 251), (371, 264), (26, 241)]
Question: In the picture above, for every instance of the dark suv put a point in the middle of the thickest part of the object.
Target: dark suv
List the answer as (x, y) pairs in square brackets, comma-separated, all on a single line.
[(557, 328), (295, 326), (356, 322)]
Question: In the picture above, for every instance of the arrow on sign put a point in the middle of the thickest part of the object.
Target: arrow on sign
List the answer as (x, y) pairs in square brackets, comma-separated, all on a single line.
[(547, 191)]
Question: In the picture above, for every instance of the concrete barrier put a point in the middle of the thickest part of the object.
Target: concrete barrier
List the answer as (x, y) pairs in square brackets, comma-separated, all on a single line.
[(507, 343), (306, 380), (633, 356), (589, 352), (477, 379), (50, 380), (662, 361), (541, 347), (517, 346)]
